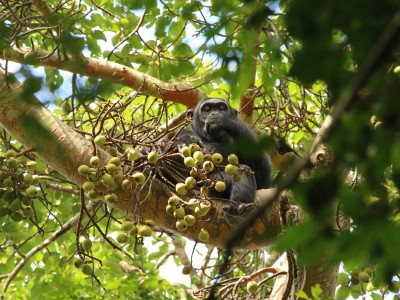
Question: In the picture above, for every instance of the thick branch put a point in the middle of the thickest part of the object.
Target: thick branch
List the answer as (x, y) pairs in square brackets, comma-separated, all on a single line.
[(175, 92)]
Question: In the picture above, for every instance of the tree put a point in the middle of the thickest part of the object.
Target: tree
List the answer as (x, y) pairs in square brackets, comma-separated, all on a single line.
[(81, 196)]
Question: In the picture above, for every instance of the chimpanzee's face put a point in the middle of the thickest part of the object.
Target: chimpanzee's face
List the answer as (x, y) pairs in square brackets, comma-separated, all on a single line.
[(210, 117)]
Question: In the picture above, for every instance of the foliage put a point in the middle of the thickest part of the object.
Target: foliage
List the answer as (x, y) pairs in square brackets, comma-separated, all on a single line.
[(297, 57)]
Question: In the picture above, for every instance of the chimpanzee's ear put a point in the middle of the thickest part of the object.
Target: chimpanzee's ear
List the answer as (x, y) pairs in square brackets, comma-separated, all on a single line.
[(235, 112), (190, 113)]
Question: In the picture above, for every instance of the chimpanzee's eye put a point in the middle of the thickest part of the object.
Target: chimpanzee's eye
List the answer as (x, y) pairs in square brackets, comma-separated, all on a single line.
[(222, 106), (206, 108)]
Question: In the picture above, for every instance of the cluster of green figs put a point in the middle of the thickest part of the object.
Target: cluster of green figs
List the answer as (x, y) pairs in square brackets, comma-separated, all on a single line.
[(18, 187)]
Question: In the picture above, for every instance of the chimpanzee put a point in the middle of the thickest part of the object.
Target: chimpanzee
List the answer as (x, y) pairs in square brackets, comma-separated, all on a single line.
[(215, 128)]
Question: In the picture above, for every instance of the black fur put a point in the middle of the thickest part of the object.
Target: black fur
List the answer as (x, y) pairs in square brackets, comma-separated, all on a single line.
[(216, 127)]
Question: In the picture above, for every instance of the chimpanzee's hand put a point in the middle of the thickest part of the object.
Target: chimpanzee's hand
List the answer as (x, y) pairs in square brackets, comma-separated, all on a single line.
[(234, 214), (186, 139)]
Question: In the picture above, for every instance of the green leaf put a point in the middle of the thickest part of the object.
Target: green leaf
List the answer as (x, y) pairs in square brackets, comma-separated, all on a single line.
[(343, 293), (302, 295), (161, 26)]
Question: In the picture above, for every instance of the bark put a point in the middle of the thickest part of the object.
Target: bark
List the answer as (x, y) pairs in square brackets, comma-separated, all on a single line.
[(324, 274), (183, 93)]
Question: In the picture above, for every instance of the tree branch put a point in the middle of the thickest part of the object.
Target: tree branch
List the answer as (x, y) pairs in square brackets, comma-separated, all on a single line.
[(177, 92)]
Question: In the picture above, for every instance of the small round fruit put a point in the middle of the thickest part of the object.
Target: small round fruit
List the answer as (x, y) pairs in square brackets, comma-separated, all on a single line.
[(111, 168), (364, 277), (207, 157), (26, 201), (145, 230), (354, 280), (186, 270), (189, 162), (190, 182), (186, 151), (78, 263), (233, 159), (220, 186), (192, 203), (252, 287), (112, 151), (28, 212), (83, 169), (36, 179), (115, 161), (194, 147), (194, 172), (8, 182), (88, 186), (93, 194), (122, 238), (217, 158), (16, 216), (87, 270), (199, 157), (92, 176), (12, 163), (181, 188), (208, 166), (95, 161), (127, 226), (203, 235), (202, 209), (181, 225), (86, 244), (126, 184), (31, 165), (132, 154), (133, 231), (152, 157), (100, 140), (10, 153), (111, 198), (118, 176), (31, 192), (231, 169), (16, 204), (66, 107), (108, 181), (8, 53), (138, 178), (179, 213), (9, 196), (28, 179), (150, 223), (169, 209), (369, 271), (174, 200), (190, 220)]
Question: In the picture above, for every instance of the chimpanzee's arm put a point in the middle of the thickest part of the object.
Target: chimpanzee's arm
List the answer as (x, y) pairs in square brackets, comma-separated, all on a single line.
[(235, 128), (260, 163)]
